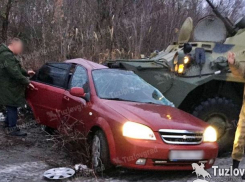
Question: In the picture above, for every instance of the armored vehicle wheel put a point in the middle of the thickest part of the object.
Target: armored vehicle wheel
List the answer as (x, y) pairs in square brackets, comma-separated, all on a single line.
[(223, 115)]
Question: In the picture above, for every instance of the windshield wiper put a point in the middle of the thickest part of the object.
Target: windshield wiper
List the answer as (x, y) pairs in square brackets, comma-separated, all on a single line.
[(151, 103), (120, 99), (161, 103)]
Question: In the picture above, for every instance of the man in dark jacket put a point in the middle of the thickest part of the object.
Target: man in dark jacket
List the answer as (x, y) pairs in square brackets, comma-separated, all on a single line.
[(13, 82)]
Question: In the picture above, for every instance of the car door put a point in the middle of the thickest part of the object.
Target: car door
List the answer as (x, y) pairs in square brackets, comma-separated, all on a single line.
[(47, 97), (77, 109)]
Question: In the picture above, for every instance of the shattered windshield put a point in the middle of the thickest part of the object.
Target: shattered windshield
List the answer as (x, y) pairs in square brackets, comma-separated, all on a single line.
[(126, 86)]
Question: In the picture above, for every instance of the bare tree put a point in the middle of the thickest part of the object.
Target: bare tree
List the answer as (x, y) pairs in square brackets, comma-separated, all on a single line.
[(55, 30), (5, 20)]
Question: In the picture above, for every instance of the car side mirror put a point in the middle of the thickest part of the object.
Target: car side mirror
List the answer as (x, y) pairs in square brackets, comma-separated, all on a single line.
[(78, 92)]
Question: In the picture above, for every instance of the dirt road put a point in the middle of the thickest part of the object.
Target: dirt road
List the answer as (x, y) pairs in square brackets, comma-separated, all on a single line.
[(25, 160)]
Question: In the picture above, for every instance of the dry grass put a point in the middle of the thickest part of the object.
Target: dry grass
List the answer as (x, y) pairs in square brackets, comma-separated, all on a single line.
[(73, 142)]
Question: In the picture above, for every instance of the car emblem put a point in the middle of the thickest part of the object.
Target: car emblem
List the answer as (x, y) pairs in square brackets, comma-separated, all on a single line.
[(184, 137)]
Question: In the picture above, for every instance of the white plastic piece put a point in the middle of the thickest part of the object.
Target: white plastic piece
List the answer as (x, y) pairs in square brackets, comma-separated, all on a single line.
[(79, 167), (217, 72), (2, 117)]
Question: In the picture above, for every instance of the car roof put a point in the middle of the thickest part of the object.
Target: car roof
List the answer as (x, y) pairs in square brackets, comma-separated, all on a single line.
[(87, 64)]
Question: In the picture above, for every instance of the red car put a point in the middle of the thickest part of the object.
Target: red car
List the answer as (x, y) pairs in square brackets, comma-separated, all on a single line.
[(132, 124)]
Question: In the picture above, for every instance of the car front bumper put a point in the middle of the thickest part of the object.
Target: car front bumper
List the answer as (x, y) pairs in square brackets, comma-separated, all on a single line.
[(156, 153)]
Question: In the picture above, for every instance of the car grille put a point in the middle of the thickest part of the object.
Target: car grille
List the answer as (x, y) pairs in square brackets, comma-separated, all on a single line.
[(181, 137)]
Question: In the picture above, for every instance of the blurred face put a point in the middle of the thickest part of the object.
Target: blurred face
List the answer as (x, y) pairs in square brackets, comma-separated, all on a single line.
[(17, 47)]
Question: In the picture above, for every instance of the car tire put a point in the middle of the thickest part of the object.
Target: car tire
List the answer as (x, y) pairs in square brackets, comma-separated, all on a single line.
[(223, 115), (100, 152)]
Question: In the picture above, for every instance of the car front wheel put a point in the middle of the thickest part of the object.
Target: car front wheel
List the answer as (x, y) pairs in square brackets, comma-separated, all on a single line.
[(100, 152)]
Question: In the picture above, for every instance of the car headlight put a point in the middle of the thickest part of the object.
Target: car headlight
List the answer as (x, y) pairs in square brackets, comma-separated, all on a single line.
[(210, 135), (137, 131)]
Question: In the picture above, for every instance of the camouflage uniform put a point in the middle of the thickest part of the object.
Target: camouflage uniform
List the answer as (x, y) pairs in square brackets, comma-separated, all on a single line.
[(239, 143)]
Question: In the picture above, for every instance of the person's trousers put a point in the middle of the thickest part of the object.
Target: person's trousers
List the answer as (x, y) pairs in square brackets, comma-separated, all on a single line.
[(239, 142), (12, 116)]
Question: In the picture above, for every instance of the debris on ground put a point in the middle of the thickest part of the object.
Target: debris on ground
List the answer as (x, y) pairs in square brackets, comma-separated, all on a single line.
[(59, 173)]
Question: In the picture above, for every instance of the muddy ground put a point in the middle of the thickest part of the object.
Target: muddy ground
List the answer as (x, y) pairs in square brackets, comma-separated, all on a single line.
[(26, 159)]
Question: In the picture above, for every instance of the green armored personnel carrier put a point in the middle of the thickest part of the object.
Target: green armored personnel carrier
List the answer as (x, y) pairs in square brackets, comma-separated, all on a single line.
[(194, 74)]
